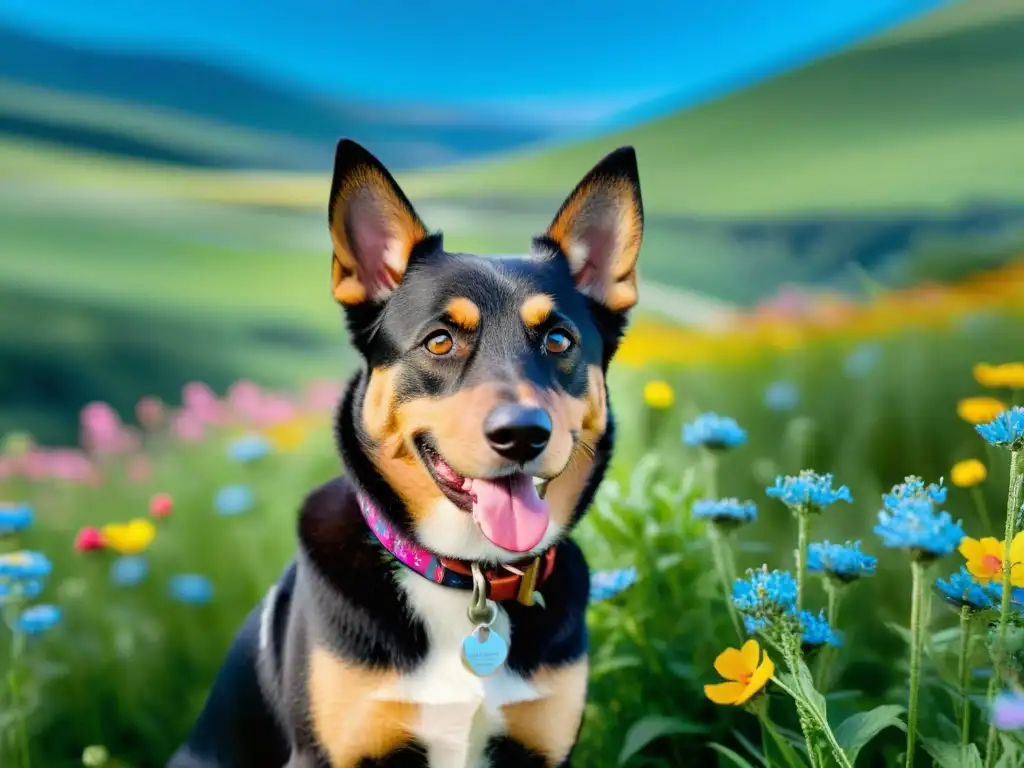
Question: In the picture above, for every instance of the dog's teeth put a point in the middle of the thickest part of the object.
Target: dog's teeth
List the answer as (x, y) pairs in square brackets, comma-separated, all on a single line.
[(539, 481)]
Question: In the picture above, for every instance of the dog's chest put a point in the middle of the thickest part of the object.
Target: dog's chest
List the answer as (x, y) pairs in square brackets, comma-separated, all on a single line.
[(458, 711)]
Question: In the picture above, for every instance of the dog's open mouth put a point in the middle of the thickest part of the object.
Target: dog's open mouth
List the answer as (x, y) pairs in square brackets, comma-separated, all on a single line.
[(508, 510)]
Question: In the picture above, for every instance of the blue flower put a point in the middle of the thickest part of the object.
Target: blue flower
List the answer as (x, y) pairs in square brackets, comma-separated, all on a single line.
[(248, 448), (25, 565), (862, 360), (14, 517), (129, 571), (915, 525), (844, 562), (1006, 430), (816, 630), (19, 590), (781, 396), (725, 512), (233, 499), (713, 431), (191, 588), (808, 491), (1008, 711), (38, 619), (605, 585), (764, 593), (913, 487), (962, 589)]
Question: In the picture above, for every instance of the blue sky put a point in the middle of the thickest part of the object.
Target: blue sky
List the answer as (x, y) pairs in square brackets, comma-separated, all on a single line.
[(603, 61)]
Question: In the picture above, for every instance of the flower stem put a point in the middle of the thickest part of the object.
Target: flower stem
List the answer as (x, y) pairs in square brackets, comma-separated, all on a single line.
[(835, 595), (722, 558), (916, 642), (1012, 507), (979, 502), (765, 727), (803, 526), (964, 675), (17, 644)]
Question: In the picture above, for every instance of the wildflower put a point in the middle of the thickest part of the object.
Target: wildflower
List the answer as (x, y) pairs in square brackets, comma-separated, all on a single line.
[(161, 505), (746, 672), (914, 524), (287, 436), (843, 562), (38, 619), (248, 448), (968, 473), (913, 487), (605, 585), (765, 593), (90, 539), (815, 630), (130, 538), (658, 395), (25, 565), (713, 431), (781, 396), (1005, 430), (985, 559), (979, 410), (19, 590), (1008, 711), (14, 517), (95, 756), (962, 589), (808, 491), (725, 512), (150, 412), (861, 361), (233, 499), (1005, 375), (191, 588), (129, 571)]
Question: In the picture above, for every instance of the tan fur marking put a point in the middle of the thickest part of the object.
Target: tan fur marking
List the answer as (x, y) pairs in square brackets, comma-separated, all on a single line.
[(536, 309), (378, 403), (464, 313), (550, 725), (350, 725), (348, 284)]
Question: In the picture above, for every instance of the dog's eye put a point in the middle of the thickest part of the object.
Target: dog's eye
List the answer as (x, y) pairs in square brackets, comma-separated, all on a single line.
[(557, 342), (439, 343)]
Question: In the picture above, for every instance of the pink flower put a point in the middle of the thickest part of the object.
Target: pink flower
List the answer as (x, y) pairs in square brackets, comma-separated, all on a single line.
[(244, 399), (101, 430), (322, 395), (188, 427), (274, 409), (90, 539), (150, 412), (161, 505), (199, 400)]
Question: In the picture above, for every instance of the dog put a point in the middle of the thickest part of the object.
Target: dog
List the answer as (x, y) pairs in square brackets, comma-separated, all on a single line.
[(434, 615)]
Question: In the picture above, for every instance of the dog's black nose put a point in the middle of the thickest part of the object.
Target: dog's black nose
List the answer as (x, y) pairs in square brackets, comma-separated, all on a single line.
[(518, 432)]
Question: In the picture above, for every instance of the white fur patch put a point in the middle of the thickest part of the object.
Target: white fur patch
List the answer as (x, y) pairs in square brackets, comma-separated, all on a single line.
[(267, 617), (459, 712)]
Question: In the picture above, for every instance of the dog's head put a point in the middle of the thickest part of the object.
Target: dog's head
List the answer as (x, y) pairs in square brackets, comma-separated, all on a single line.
[(485, 376)]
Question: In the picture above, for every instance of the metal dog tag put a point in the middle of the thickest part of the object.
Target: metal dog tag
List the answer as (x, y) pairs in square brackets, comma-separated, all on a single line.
[(484, 651)]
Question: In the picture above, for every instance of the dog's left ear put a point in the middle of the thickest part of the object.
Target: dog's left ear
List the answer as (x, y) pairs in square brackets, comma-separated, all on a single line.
[(374, 228), (599, 229)]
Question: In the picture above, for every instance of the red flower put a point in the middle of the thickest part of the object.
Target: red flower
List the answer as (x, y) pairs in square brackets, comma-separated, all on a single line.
[(161, 505), (89, 539)]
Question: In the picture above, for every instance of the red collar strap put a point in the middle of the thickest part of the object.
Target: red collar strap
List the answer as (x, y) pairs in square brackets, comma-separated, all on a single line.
[(515, 581)]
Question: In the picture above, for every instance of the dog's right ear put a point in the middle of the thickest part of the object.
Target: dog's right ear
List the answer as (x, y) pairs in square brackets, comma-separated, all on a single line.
[(374, 228)]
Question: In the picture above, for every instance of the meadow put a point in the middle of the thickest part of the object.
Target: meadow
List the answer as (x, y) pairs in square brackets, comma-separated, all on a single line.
[(129, 662)]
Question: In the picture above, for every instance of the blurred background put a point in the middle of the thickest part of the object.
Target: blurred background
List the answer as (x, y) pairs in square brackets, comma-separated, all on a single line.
[(835, 221)]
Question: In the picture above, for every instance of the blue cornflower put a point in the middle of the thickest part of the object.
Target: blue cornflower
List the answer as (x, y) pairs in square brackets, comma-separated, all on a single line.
[(781, 396), (808, 491), (725, 512), (713, 431), (19, 590), (1006, 430), (913, 487), (844, 562), (816, 630), (764, 593), (129, 570), (38, 619), (14, 517), (25, 565), (915, 525), (191, 588), (248, 448), (233, 499), (961, 589), (604, 585), (862, 360)]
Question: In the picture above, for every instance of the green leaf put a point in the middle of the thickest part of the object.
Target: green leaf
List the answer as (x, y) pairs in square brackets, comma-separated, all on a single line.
[(748, 745), (1009, 754), (647, 729), (731, 756), (854, 733), (947, 755)]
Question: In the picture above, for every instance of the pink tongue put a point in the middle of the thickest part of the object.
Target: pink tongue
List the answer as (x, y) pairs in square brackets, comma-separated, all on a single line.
[(509, 512)]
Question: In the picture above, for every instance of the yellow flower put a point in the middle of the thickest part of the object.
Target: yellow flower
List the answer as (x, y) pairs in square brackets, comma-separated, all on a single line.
[(985, 559), (979, 410), (288, 435), (130, 538), (1010, 375), (968, 473), (745, 672), (658, 395)]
